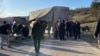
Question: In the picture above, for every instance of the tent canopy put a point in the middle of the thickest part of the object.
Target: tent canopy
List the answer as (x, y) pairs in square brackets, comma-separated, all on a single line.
[(51, 14)]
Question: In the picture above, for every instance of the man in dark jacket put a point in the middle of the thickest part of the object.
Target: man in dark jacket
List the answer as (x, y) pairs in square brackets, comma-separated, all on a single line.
[(20, 26), (77, 31), (62, 30), (14, 27), (56, 32), (37, 34), (4, 31), (25, 30), (68, 28), (97, 33)]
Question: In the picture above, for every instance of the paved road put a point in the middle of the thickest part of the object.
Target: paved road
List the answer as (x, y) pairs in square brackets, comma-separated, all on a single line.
[(20, 48), (53, 48), (66, 48)]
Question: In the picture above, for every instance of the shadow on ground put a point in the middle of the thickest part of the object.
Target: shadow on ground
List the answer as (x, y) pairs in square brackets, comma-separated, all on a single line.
[(22, 43), (3, 54), (40, 54), (71, 43), (15, 50), (64, 50), (88, 37)]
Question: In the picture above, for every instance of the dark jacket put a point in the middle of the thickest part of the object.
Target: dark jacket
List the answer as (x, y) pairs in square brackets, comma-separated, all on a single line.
[(4, 29), (68, 26), (38, 31), (15, 28), (76, 28), (25, 31), (97, 29), (62, 29)]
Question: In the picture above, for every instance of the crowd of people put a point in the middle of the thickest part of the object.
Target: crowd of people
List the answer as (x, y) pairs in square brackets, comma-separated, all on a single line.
[(68, 28), (10, 30), (62, 28), (6, 30), (20, 29)]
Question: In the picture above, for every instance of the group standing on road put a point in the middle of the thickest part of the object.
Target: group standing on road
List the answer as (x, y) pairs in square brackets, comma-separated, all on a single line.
[(9, 30), (63, 28), (67, 28)]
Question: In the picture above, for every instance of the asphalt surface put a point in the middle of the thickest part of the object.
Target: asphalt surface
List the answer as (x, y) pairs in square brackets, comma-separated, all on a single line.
[(51, 47)]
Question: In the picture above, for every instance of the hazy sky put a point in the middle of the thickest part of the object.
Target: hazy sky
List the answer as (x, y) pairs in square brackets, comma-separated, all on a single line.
[(23, 7)]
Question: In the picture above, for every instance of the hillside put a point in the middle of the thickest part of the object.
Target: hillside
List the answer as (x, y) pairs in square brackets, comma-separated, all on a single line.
[(82, 15)]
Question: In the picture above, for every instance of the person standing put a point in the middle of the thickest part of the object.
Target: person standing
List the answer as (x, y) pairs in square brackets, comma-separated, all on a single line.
[(56, 29), (20, 26), (25, 31), (68, 26), (37, 34), (14, 27), (4, 34), (76, 29), (97, 33), (62, 30)]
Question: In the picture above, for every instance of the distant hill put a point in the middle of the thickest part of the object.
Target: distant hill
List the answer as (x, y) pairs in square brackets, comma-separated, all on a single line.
[(82, 15)]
